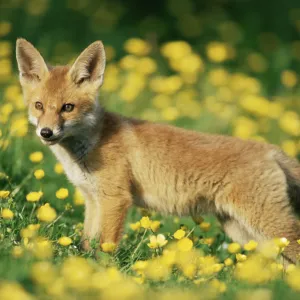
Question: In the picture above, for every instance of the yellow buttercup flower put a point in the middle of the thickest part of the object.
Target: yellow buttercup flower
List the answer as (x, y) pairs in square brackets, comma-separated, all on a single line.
[(7, 109), (5, 48), (12, 92), (7, 214), (189, 271), (58, 168), (166, 85), (240, 257), (140, 265), (185, 244), (155, 225), (76, 272), (190, 64), (228, 262), (234, 248), (293, 279), (155, 270), (139, 280), (4, 194), (208, 241), (145, 222), (78, 198), (137, 46), (135, 226), (217, 51), (218, 77), (17, 251), (282, 242), (13, 290), (39, 174), (43, 272), (34, 196), (169, 257), (255, 270), (108, 247), (218, 285), (128, 62), (46, 213), (245, 128), (179, 234), (30, 231), (42, 248), (257, 105), (157, 241), (34, 226), (36, 157), (170, 113), (269, 249), (290, 123), (176, 50), (19, 127), (290, 147), (146, 65), (250, 246), (65, 241), (205, 226), (289, 78), (62, 193)]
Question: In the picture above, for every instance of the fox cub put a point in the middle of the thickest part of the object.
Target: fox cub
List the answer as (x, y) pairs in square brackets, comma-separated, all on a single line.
[(253, 188)]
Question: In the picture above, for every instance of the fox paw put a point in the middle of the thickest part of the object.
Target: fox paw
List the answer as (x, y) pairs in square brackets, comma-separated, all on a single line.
[(85, 245)]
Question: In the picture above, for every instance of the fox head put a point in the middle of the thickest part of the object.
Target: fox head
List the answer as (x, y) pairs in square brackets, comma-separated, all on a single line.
[(62, 101)]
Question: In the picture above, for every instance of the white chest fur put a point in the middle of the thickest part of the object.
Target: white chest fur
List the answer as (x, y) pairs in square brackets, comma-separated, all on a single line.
[(87, 184), (75, 173)]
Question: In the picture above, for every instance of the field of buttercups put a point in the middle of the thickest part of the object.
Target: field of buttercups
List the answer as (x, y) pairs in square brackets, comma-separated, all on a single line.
[(165, 257)]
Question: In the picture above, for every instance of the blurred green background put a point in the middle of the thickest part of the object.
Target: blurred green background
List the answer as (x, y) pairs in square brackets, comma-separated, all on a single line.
[(221, 66), (235, 69)]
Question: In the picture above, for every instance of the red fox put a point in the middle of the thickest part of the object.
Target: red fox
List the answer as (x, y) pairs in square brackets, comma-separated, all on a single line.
[(253, 188)]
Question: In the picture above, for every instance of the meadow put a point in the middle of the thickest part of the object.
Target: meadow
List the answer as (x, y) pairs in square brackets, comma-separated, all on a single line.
[(224, 83)]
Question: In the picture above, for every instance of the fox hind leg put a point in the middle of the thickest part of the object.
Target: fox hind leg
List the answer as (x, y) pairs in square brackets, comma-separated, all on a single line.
[(236, 231), (272, 220)]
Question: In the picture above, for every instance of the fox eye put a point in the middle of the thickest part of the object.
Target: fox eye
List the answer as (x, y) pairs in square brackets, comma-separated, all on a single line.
[(68, 107), (38, 105)]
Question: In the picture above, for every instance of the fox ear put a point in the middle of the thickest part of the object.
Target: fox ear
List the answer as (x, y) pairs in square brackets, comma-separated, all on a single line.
[(90, 65), (31, 64)]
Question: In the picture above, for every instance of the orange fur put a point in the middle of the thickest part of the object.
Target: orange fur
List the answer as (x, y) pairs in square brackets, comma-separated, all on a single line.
[(115, 161)]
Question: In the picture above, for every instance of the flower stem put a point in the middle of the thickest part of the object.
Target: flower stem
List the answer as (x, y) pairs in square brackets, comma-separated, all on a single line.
[(140, 243)]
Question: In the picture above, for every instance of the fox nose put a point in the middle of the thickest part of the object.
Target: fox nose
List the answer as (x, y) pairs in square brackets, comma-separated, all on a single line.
[(46, 132)]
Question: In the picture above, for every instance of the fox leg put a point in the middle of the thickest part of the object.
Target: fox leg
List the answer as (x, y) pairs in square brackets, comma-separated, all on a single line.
[(114, 211), (236, 231), (260, 203), (89, 216), (104, 218), (285, 225), (270, 218)]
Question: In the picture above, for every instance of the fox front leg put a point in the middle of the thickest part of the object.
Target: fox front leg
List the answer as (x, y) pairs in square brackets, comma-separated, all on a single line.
[(113, 214)]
